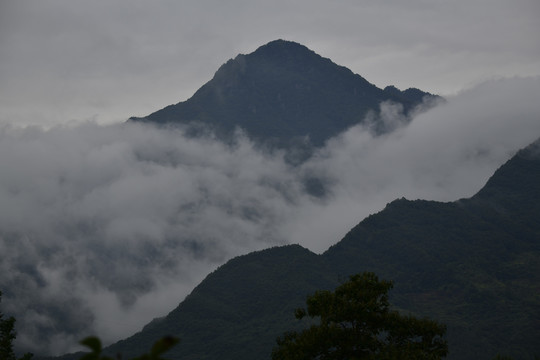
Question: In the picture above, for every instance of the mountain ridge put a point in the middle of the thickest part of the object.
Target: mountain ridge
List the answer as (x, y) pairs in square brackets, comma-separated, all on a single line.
[(472, 264), (284, 93), (468, 264)]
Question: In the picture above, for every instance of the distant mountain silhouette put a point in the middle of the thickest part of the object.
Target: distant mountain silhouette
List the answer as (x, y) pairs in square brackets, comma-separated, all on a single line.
[(472, 264), (282, 94)]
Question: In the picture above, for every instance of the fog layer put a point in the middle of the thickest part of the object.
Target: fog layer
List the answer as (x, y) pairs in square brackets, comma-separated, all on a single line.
[(103, 228)]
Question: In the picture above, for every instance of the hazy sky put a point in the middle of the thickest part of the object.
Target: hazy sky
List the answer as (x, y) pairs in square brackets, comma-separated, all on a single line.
[(107, 60), (104, 226)]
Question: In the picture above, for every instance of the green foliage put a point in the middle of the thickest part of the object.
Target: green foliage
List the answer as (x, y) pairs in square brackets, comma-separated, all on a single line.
[(356, 323), (161, 346), (7, 336)]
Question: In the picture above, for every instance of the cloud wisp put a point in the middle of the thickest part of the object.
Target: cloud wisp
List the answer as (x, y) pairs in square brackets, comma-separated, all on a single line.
[(106, 214), (103, 228)]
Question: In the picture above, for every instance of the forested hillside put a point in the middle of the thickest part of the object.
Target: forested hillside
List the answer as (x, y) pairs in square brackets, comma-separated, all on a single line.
[(472, 264)]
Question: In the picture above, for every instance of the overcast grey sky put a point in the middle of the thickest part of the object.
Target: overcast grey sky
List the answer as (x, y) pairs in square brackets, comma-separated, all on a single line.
[(64, 60)]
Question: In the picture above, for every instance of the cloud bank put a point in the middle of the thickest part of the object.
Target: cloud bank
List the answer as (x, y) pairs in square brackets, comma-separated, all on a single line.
[(103, 228)]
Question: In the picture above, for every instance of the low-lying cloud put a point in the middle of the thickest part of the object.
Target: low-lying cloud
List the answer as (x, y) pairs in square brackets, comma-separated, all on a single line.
[(103, 228)]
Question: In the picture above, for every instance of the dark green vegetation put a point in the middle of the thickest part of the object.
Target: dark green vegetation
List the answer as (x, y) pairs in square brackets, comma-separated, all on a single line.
[(243, 306), (472, 264), (7, 336), (355, 322), (282, 93)]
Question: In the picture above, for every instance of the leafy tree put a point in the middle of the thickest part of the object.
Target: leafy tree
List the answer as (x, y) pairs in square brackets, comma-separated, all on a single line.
[(7, 335), (357, 323)]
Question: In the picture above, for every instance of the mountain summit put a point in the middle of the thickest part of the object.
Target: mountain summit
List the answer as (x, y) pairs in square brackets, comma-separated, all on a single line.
[(284, 92)]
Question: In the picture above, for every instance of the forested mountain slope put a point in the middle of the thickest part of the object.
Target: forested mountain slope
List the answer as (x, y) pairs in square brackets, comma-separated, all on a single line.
[(473, 264)]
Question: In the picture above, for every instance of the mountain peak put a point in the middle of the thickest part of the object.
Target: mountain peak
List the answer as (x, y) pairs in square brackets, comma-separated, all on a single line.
[(283, 49), (282, 93), (281, 45)]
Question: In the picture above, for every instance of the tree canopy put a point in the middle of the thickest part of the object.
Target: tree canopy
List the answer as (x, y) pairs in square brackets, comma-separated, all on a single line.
[(7, 336), (356, 322)]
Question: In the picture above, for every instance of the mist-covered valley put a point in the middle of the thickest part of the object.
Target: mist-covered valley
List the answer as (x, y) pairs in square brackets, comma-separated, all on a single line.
[(105, 227)]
